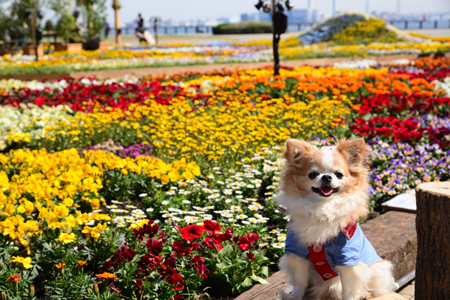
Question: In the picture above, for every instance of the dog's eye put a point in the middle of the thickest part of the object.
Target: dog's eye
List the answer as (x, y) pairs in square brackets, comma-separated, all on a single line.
[(339, 175), (313, 175)]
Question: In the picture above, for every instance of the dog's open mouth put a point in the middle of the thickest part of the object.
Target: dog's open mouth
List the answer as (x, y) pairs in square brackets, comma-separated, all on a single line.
[(325, 191)]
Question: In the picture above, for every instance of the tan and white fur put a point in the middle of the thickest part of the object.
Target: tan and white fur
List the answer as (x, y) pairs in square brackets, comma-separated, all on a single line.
[(318, 215)]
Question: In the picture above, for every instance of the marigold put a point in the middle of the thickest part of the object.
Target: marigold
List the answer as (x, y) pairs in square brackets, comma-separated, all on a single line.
[(106, 275), (14, 279), (81, 263), (60, 265), (67, 238), (25, 261)]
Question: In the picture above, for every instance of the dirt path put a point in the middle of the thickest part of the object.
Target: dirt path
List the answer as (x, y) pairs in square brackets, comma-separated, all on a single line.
[(118, 74)]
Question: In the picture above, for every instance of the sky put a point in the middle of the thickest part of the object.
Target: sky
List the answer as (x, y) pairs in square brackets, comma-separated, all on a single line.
[(185, 10)]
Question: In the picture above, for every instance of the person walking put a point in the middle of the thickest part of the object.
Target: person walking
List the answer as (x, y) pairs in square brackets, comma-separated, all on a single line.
[(107, 28), (140, 23)]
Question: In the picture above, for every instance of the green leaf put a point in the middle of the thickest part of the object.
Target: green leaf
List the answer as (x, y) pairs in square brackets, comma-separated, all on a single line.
[(265, 271), (259, 279), (247, 283), (227, 250)]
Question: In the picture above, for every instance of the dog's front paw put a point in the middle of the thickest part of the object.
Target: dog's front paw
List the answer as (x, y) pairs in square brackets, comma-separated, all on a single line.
[(284, 296)]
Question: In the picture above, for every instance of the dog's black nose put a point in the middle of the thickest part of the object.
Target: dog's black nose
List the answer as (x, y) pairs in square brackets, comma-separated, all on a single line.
[(327, 178)]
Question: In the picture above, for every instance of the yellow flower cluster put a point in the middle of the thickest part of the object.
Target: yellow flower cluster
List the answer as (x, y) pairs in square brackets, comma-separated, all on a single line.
[(366, 32), (228, 127), (42, 191), (316, 50)]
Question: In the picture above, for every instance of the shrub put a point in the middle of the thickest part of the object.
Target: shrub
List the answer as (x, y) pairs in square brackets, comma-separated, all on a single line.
[(243, 27)]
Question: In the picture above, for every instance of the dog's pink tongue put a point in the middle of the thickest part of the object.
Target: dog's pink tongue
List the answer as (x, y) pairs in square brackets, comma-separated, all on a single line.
[(326, 190)]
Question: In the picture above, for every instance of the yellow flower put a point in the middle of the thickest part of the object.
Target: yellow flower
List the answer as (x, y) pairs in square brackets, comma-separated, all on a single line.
[(25, 261), (67, 238), (81, 263)]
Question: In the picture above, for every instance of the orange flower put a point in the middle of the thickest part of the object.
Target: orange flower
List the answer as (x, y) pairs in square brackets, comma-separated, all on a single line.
[(60, 265), (106, 275), (81, 263), (14, 279)]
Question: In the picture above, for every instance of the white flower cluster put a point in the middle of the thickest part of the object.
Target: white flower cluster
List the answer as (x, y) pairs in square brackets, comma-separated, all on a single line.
[(359, 64), (60, 85), (28, 121), (445, 85)]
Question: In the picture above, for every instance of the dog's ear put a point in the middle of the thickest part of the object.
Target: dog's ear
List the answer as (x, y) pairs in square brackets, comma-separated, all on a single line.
[(295, 149), (354, 151)]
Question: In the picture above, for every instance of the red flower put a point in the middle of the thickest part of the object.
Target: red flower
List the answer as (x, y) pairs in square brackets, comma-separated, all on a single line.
[(197, 261), (195, 245), (177, 281), (165, 271), (192, 232), (149, 229), (154, 246), (139, 284), (227, 236), (177, 297), (211, 227), (203, 271), (213, 243), (247, 241), (250, 256), (170, 262)]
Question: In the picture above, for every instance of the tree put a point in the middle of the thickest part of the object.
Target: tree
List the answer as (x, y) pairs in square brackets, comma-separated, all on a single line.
[(19, 26), (5, 24), (49, 25), (433, 240), (94, 14), (66, 26)]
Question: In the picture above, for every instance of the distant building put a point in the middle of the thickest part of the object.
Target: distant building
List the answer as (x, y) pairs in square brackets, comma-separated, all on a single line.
[(245, 17), (298, 15), (264, 17)]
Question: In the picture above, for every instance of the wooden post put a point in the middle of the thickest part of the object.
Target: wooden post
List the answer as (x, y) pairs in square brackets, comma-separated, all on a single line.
[(116, 10), (433, 241), (275, 40)]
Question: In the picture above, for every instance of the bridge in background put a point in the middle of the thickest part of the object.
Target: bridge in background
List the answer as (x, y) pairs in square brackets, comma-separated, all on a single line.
[(294, 27)]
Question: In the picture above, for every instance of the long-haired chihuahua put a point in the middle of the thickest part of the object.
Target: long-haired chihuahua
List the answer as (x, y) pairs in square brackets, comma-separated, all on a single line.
[(327, 256)]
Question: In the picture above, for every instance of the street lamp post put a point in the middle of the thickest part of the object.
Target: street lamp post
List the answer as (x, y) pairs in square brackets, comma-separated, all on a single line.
[(116, 6), (33, 26), (155, 21), (279, 25)]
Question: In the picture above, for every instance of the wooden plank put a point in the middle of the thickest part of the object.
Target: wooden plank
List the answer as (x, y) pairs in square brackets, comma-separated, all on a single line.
[(403, 202)]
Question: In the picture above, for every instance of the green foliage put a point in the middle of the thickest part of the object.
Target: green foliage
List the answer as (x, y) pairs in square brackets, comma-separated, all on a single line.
[(49, 25), (19, 22), (5, 23), (243, 27), (66, 28), (94, 14)]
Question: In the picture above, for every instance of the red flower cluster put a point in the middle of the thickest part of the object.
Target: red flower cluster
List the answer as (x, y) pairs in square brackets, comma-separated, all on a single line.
[(85, 97), (246, 242), (429, 74), (397, 102), (157, 264), (400, 130), (123, 254)]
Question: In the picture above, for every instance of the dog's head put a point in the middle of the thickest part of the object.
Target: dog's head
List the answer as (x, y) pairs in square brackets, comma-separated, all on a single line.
[(320, 174)]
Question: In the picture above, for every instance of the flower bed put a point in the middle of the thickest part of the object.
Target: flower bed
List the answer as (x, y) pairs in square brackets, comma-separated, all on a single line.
[(164, 187), (246, 52)]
